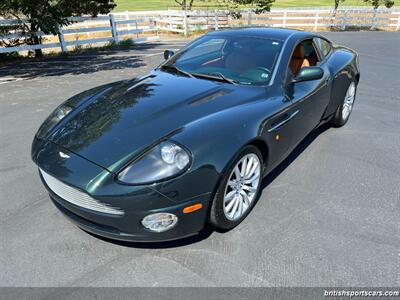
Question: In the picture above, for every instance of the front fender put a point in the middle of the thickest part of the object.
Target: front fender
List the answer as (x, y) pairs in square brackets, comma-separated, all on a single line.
[(214, 142)]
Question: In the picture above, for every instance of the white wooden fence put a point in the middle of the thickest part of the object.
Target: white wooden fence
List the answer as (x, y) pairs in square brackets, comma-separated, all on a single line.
[(146, 26), (308, 19), (102, 29)]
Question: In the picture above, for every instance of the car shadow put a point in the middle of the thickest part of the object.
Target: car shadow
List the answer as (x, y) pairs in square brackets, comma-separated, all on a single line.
[(88, 62), (208, 229), (202, 235), (294, 154)]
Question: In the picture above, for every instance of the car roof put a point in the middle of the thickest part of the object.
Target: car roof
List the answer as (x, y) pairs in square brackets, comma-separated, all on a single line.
[(265, 32)]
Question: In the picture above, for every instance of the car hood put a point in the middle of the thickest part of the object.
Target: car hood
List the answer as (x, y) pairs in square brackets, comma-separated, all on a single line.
[(124, 118)]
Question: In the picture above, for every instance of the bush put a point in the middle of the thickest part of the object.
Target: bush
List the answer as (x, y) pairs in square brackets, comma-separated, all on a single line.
[(126, 43), (9, 56)]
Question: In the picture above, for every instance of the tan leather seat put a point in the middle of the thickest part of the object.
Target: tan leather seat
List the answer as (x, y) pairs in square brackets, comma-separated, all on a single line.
[(298, 60)]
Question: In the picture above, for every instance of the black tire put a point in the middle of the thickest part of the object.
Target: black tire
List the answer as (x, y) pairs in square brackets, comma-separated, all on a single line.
[(338, 119), (217, 216)]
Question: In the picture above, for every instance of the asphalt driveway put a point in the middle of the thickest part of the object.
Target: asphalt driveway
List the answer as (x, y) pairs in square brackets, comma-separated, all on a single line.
[(328, 216)]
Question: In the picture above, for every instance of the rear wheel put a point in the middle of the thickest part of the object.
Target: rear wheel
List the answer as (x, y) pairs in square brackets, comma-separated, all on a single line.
[(345, 108), (238, 190)]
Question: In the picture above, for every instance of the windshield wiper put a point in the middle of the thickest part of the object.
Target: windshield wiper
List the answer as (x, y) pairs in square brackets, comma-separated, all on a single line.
[(212, 76), (174, 68), (222, 76)]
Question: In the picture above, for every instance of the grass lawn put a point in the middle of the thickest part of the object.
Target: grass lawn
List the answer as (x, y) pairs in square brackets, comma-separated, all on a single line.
[(123, 5)]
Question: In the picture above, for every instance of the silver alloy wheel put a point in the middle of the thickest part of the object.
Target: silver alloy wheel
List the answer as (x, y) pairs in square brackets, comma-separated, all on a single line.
[(242, 186), (349, 101)]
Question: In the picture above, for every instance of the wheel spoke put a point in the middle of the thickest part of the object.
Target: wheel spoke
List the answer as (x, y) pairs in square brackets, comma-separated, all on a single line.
[(351, 90), (235, 206), (252, 179), (240, 207), (231, 183), (244, 165), (229, 196), (253, 169), (245, 197), (237, 172), (249, 167), (249, 188), (229, 206)]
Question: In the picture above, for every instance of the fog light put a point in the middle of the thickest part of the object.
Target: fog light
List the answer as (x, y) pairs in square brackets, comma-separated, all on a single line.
[(159, 222)]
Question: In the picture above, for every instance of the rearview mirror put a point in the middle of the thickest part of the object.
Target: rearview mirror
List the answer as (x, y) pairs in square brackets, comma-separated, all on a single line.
[(309, 73), (168, 54)]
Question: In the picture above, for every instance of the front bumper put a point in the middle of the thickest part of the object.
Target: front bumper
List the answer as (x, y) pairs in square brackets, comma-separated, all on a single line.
[(128, 227), (136, 202)]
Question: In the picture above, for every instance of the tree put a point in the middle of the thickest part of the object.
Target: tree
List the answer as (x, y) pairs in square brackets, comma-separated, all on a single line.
[(337, 2), (260, 6), (47, 16), (376, 3), (185, 4)]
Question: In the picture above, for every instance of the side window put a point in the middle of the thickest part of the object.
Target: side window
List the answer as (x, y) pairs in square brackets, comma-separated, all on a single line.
[(323, 45), (304, 55)]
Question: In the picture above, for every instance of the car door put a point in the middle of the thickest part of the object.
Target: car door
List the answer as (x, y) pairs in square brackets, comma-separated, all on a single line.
[(309, 100), (282, 129)]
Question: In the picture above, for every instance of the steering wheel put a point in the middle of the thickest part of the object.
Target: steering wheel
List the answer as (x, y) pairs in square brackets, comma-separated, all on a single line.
[(257, 74), (264, 69)]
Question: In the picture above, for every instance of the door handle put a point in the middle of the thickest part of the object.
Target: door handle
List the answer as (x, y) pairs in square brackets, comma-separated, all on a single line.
[(282, 122)]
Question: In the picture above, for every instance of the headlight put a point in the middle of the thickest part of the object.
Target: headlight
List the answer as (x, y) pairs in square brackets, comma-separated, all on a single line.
[(60, 113), (164, 161)]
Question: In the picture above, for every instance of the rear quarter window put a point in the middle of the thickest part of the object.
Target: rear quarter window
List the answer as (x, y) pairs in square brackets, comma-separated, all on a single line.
[(323, 45)]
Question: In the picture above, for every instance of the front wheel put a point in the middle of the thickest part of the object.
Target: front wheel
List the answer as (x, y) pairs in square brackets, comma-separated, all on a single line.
[(345, 108), (238, 190)]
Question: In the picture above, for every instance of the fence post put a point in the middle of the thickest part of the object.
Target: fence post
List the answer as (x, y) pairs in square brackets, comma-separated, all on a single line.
[(216, 19), (114, 29), (284, 18), (87, 26), (374, 20), (169, 19), (185, 23), (316, 21), (344, 20), (249, 18), (127, 18), (156, 25), (62, 41), (398, 23)]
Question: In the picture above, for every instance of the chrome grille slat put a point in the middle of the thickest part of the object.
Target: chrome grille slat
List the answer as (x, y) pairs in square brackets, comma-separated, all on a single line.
[(76, 197)]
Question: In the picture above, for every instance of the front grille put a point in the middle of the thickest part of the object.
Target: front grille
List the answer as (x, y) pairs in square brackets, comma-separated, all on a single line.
[(76, 197)]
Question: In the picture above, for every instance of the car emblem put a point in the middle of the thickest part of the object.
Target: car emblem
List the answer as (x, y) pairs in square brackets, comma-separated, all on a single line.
[(63, 155)]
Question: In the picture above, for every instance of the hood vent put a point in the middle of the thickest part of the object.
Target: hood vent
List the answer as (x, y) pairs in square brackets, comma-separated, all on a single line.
[(137, 83), (209, 97)]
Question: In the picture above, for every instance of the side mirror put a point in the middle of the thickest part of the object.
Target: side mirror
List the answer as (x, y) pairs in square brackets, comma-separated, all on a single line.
[(168, 54), (309, 73)]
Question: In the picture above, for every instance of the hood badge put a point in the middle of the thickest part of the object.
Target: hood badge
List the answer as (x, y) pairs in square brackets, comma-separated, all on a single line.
[(63, 155)]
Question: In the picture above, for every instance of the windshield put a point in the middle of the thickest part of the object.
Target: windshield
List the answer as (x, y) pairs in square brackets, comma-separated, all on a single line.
[(234, 59)]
